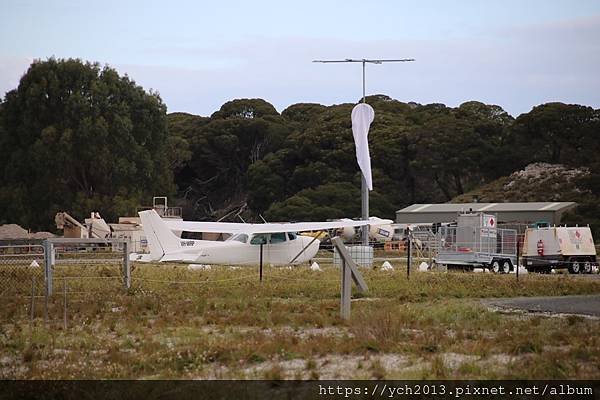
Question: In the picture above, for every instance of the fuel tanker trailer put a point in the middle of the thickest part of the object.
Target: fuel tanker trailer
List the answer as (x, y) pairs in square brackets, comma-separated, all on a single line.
[(546, 248)]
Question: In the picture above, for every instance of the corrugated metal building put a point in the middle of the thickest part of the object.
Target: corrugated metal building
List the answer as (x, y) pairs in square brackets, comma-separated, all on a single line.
[(521, 213)]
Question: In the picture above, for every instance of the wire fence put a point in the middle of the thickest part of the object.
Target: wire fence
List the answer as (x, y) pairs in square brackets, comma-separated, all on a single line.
[(21, 270), (88, 280), (75, 302)]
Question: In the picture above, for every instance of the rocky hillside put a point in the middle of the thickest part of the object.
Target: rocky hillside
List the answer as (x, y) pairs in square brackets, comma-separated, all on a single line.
[(536, 182)]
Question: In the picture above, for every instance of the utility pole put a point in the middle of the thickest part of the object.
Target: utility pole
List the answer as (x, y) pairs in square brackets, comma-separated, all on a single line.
[(364, 189)]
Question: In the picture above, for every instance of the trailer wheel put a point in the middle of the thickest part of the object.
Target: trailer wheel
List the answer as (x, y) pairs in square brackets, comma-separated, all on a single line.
[(506, 267), (495, 266), (575, 267), (587, 267)]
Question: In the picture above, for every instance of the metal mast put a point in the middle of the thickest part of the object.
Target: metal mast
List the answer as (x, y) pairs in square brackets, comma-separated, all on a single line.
[(364, 189)]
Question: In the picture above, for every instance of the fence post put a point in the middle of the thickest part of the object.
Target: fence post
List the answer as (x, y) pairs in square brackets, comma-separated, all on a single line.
[(346, 291), (46, 309), (408, 253), (65, 302), (261, 263), (349, 272), (32, 301), (48, 262), (518, 251), (126, 264)]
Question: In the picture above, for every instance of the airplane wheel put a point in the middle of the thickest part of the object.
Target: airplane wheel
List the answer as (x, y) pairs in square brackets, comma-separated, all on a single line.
[(587, 267), (575, 267), (506, 267), (495, 267)]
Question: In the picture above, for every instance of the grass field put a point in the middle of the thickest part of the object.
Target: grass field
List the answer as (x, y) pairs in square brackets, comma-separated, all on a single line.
[(223, 323)]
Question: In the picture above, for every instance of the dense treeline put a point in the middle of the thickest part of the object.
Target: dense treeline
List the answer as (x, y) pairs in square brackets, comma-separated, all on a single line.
[(77, 137), (420, 153)]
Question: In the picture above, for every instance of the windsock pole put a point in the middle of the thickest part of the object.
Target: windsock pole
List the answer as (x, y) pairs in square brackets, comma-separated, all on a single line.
[(364, 188)]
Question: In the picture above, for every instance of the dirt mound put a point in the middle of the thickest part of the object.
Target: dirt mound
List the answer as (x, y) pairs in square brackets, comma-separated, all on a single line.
[(14, 231), (42, 235)]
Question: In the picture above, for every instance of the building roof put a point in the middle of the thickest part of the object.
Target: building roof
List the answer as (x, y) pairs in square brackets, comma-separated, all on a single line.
[(488, 207)]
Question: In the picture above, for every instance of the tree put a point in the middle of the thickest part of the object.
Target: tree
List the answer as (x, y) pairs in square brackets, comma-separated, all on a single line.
[(459, 149), (246, 108), (302, 113), (336, 200), (78, 137), (223, 150), (332, 200), (557, 133)]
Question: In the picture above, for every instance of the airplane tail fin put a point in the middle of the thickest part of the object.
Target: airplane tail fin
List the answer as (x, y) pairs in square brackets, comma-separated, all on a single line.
[(160, 238)]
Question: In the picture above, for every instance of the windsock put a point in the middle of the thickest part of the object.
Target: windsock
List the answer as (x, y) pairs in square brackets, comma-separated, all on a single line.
[(362, 116)]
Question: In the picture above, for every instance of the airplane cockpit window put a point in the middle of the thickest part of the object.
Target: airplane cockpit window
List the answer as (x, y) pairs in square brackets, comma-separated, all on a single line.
[(240, 237), (260, 238), (191, 235), (278, 237), (292, 235)]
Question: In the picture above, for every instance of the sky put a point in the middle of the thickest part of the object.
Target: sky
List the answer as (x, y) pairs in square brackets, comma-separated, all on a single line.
[(200, 54)]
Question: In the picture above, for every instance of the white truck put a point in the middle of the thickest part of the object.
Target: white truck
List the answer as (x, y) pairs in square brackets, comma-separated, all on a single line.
[(546, 248)]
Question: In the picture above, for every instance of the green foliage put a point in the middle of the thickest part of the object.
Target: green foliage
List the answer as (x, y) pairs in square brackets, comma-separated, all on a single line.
[(420, 153), (588, 199), (78, 137), (181, 128), (302, 112), (224, 148), (246, 109), (558, 133), (332, 200), (320, 203)]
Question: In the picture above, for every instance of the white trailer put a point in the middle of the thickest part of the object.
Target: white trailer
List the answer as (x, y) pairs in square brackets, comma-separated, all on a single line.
[(476, 241), (546, 248)]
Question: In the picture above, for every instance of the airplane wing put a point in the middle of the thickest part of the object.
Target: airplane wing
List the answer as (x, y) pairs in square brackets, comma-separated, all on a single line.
[(208, 227), (307, 226), (229, 227)]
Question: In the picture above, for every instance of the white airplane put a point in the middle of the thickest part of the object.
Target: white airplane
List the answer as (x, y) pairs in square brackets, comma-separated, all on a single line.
[(281, 243)]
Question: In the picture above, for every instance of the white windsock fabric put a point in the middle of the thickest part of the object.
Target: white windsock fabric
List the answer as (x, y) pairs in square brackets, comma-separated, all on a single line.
[(362, 116)]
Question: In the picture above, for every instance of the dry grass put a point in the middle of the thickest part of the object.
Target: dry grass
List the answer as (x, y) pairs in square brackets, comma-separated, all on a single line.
[(224, 323)]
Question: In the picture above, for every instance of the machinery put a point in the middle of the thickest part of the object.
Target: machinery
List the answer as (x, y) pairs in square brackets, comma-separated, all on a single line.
[(476, 241), (545, 248)]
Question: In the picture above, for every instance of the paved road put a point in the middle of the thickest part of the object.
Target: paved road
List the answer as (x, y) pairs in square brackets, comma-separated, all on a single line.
[(586, 305)]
